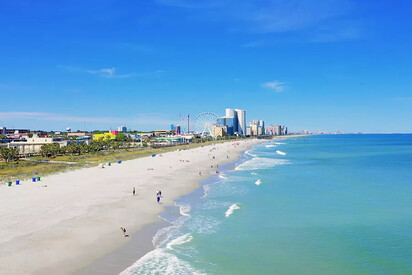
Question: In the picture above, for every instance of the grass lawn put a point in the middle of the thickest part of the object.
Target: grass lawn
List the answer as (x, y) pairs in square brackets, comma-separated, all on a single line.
[(26, 169)]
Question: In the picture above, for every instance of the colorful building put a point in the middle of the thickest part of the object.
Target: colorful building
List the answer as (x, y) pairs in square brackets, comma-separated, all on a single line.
[(105, 136)]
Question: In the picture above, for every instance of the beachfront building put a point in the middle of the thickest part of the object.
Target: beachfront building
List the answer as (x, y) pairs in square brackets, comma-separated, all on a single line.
[(255, 128), (262, 127), (5, 131), (175, 129), (278, 130), (218, 131), (241, 116), (122, 129), (270, 130), (248, 130), (229, 121), (162, 133), (234, 121), (31, 146), (105, 136), (254, 125)]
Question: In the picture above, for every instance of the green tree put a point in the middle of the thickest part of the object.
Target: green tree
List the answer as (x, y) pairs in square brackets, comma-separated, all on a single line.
[(45, 150), (73, 149), (120, 137), (9, 154), (63, 150), (54, 149)]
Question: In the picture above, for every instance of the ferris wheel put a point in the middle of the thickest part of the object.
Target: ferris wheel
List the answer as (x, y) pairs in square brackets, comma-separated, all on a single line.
[(203, 123)]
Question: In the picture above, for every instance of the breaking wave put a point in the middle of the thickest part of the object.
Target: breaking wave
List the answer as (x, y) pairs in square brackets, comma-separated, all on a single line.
[(261, 163), (180, 240), (159, 261), (231, 209), (248, 153)]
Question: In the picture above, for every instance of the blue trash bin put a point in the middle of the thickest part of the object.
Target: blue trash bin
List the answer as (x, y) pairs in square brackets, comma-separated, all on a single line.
[(17, 182), (33, 179)]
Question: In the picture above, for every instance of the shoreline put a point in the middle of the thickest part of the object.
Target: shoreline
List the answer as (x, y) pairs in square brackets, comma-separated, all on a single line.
[(75, 221), (142, 242)]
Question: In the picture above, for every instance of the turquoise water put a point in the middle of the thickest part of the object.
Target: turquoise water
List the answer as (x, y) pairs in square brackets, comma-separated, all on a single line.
[(339, 204)]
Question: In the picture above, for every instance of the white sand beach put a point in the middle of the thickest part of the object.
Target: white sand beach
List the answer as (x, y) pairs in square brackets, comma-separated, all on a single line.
[(76, 219)]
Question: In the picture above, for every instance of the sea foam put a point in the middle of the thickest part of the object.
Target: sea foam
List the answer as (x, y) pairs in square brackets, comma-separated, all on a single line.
[(206, 189), (280, 152), (184, 210), (261, 163), (180, 240), (231, 209), (248, 153), (159, 261), (269, 146), (258, 182), (222, 176)]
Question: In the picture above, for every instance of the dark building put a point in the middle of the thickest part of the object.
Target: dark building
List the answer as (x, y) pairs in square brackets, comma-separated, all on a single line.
[(5, 131)]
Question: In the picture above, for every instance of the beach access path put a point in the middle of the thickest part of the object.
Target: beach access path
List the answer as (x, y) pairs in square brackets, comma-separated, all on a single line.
[(66, 221)]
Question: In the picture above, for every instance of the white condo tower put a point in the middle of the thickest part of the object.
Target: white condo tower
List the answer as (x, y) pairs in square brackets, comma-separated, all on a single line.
[(241, 116)]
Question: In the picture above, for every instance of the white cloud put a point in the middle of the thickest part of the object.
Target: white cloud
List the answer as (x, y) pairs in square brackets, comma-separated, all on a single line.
[(104, 72), (109, 72), (275, 86)]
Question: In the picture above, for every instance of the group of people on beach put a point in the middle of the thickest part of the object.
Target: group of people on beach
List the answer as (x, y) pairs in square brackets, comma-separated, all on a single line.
[(158, 195), (159, 192)]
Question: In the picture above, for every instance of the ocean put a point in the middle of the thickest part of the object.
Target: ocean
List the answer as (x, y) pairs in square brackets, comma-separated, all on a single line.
[(330, 204)]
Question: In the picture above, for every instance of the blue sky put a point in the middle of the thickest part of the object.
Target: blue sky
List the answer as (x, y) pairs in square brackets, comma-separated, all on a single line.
[(316, 65)]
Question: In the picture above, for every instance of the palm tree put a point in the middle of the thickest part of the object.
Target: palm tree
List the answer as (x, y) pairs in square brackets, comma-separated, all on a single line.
[(45, 150), (9, 154)]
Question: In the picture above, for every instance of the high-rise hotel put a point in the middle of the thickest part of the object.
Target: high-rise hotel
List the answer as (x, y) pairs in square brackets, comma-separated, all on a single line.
[(234, 121)]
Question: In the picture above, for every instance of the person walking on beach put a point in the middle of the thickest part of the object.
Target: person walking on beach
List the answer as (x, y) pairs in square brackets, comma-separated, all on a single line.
[(134, 191), (158, 199), (124, 231), (160, 193)]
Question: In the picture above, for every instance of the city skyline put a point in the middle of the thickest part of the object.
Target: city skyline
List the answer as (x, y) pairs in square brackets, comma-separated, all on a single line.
[(336, 65)]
